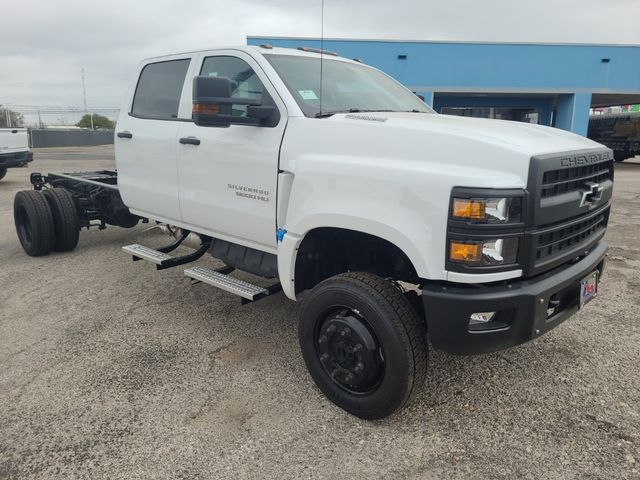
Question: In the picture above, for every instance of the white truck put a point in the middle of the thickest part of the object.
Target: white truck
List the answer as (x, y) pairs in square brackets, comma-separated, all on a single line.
[(14, 149), (393, 224)]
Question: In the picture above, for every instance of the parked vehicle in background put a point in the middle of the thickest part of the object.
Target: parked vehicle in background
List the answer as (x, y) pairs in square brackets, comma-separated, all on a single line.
[(618, 131), (14, 149), (388, 220)]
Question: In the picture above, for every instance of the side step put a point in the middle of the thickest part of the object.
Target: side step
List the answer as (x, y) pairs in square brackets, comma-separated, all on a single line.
[(246, 290), (161, 258), (140, 252)]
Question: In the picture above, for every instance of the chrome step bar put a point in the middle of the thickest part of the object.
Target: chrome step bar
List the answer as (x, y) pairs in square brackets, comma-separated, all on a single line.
[(227, 283), (145, 253)]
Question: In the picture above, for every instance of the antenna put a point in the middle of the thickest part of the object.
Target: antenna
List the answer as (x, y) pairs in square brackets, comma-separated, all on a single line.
[(321, 49)]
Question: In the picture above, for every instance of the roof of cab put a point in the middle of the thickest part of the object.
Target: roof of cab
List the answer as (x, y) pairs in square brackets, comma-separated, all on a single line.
[(262, 50)]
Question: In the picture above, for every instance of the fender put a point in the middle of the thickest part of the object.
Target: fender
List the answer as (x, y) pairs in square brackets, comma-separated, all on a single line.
[(288, 247)]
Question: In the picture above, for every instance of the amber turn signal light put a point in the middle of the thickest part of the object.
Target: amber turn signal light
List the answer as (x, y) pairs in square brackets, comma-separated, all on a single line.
[(206, 108), (468, 208), (465, 252)]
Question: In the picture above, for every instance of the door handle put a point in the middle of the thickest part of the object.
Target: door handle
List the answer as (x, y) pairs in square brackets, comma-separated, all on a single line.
[(189, 141), (125, 134)]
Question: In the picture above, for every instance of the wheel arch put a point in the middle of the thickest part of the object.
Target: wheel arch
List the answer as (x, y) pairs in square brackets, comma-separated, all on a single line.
[(395, 248)]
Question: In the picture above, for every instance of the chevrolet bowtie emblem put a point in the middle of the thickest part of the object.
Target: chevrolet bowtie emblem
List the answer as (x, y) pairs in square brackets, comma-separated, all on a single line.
[(593, 194)]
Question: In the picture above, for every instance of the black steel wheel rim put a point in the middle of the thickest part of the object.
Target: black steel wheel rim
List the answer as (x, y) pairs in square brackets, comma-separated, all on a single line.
[(349, 351)]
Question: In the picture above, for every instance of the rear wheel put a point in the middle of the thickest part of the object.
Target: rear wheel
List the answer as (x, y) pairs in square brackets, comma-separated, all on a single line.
[(34, 222), (363, 344), (3, 172), (65, 218)]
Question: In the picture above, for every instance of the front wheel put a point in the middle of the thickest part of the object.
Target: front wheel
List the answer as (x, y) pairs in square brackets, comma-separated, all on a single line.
[(363, 344), (3, 172)]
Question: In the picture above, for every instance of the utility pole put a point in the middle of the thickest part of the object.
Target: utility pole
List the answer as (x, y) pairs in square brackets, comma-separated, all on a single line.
[(84, 92), (7, 114)]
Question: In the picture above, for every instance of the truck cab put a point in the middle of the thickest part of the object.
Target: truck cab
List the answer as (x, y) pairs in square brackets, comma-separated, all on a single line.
[(394, 225)]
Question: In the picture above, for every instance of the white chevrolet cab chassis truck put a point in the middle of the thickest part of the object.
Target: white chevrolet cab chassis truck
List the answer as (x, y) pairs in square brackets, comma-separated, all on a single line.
[(392, 223), (14, 149)]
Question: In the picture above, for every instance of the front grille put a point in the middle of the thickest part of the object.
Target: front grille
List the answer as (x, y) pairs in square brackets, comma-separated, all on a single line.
[(569, 199), (555, 242), (556, 182)]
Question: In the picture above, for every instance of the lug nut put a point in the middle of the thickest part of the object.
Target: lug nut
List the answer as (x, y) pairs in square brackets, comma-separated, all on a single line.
[(324, 357), (359, 367), (357, 347), (322, 339), (349, 377), (346, 331), (331, 329)]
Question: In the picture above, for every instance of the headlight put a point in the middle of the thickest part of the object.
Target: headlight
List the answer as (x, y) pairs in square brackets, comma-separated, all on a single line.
[(484, 253), (498, 210)]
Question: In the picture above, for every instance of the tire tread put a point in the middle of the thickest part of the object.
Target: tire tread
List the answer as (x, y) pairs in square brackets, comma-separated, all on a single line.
[(65, 216), (38, 211)]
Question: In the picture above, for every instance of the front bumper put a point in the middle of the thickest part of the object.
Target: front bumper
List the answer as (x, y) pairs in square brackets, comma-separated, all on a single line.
[(18, 159), (522, 306)]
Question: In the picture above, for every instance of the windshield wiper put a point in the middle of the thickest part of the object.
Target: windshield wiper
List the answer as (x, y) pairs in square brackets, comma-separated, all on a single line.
[(334, 112), (357, 110)]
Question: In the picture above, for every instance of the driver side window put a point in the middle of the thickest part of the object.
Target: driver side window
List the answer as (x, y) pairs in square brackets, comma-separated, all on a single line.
[(245, 82)]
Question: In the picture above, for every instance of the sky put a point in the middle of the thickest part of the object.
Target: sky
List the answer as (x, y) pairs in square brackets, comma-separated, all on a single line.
[(44, 44)]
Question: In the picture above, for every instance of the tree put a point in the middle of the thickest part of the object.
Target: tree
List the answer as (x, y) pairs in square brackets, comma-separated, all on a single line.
[(99, 122), (16, 118)]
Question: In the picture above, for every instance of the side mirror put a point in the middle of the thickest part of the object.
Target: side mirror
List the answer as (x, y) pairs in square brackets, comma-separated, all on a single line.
[(212, 104)]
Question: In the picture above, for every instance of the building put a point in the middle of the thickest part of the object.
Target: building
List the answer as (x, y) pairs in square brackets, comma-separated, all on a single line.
[(550, 84)]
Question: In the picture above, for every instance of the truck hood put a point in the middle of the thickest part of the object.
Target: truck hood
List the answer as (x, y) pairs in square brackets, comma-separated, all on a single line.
[(469, 151), (523, 137)]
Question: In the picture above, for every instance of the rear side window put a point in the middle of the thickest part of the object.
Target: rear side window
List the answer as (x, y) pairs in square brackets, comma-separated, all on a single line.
[(159, 89)]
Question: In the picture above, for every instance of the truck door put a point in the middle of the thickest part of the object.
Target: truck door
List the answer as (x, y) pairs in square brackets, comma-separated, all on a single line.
[(228, 180), (146, 141)]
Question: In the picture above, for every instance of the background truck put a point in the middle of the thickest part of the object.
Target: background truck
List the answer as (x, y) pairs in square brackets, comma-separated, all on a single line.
[(393, 224), (14, 149), (618, 131)]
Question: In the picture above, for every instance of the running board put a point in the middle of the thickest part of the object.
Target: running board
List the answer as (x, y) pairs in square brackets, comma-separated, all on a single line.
[(246, 290), (140, 252), (161, 259)]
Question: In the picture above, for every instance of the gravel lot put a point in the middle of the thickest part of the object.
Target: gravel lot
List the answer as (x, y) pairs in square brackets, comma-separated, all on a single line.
[(110, 369)]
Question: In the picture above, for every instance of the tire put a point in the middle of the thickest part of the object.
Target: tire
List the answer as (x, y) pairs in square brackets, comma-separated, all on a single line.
[(3, 172), (65, 219), (34, 222), (390, 365)]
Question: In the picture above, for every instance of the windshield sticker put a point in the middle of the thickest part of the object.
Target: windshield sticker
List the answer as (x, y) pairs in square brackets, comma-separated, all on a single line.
[(308, 94)]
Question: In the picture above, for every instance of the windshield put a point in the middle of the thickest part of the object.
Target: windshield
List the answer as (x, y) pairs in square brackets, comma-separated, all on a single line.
[(346, 87)]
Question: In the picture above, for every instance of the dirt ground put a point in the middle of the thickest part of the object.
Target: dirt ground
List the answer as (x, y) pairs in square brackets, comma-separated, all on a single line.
[(110, 369)]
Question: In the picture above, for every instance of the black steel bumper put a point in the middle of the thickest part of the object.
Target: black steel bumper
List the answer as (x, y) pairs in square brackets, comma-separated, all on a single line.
[(521, 306), (19, 159)]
